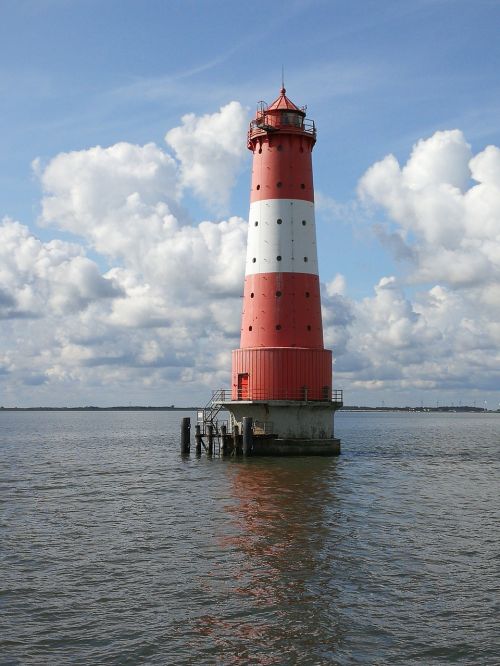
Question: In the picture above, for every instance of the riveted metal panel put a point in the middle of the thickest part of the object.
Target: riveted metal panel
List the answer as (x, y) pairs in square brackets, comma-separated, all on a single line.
[(283, 374), (288, 300), (281, 237), (282, 168)]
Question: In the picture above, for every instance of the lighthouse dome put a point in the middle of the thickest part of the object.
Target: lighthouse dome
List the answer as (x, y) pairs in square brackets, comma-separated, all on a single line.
[(284, 103)]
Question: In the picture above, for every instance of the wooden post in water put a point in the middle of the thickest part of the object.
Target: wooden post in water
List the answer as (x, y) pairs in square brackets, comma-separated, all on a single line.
[(210, 430), (225, 440), (223, 435), (197, 439), (236, 439), (186, 435), (247, 435)]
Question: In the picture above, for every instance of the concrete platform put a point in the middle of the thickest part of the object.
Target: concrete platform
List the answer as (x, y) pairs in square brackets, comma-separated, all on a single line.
[(310, 420), (275, 446)]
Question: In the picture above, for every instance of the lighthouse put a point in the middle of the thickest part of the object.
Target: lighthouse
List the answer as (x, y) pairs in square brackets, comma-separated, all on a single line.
[(281, 373)]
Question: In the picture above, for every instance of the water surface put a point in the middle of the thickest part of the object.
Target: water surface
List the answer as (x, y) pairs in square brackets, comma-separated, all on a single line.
[(116, 550)]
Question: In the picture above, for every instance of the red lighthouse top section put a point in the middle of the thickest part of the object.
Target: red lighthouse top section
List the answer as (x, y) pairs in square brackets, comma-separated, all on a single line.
[(281, 139), (283, 102), (281, 116)]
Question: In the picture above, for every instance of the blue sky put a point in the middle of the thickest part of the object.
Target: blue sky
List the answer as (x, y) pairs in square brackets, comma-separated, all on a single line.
[(377, 77)]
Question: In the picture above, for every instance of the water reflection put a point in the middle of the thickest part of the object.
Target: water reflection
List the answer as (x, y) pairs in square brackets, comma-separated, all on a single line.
[(277, 541)]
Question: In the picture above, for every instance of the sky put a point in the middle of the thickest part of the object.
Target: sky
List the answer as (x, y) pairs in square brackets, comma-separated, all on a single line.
[(124, 192)]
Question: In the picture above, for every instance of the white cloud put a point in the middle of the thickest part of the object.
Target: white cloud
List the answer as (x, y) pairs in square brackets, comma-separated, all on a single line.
[(443, 218), (336, 286), (451, 226), (169, 301), (54, 276), (210, 151)]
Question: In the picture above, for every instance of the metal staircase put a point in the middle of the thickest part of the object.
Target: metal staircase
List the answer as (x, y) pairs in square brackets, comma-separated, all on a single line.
[(211, 409)]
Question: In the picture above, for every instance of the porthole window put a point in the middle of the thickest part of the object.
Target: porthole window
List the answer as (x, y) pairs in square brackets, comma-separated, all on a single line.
[(305, 258), (278, 327), (279, 220), (258, 187), (278, 294), (307, 294), (278, 258), (256, 224), (249, 328), (280, 147), (303, 223), (252, 295), (302, 186), (308, 327), (279, 183), (254, 260)]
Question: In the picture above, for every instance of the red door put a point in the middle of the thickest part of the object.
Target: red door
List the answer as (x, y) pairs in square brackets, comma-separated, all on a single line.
[(243, 386)]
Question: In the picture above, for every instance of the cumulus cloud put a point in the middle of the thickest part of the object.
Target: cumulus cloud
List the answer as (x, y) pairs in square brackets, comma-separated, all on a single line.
[(448, 225), (438, 341), (125, 201), (159, 304), (210, 150), (442, 212), (54, 276)]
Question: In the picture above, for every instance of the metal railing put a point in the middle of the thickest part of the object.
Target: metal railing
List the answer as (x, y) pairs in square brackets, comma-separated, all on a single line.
[(263, 428), (268, 122), (212, 408), (303, 395)]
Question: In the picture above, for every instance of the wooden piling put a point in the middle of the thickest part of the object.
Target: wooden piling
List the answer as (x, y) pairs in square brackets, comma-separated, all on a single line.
[(226, 441), (186, 435), (210, 431), (237, 440), (247, 427), (197, 439)]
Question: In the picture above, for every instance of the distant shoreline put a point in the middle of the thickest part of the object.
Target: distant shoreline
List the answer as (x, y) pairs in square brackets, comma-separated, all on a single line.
[(172, 408), (118, 408), (425, 410)]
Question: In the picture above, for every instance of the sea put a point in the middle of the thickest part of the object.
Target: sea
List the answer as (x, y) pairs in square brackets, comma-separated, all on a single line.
[(115, 549)]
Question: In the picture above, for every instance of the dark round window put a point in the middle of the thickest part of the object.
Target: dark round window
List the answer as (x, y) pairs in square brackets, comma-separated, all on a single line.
[(258, 187), (308, 327), (302, 186), (279, 183), (305, 258), (280, 147), (278, 327), (252, 295), (278, 258), (303, 223), (279, 220), (256, 224), (307, 294), (278, 294), (254, 260), (249, 328)]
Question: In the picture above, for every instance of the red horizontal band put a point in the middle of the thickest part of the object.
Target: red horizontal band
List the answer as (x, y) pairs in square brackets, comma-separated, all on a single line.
[(282, 310), (282, 168)]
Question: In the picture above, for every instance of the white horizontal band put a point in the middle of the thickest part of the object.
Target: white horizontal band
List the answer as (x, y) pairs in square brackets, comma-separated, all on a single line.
[(281, 237)]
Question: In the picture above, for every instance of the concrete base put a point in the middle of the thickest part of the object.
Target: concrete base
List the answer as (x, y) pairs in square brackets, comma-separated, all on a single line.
[(274, 446), (288, 419), (288, 427)]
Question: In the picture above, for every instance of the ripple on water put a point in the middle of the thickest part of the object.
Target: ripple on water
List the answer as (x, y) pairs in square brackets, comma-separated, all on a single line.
[(117, 550)]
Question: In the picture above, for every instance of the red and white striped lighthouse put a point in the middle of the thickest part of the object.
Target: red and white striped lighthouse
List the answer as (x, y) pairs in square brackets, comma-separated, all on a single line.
[(281, 374)]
